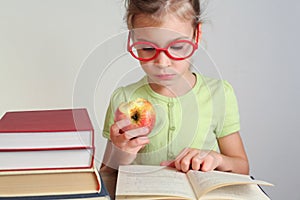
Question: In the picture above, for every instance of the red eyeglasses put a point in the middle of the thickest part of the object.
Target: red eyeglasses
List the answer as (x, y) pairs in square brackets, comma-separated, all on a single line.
[(176, 50)]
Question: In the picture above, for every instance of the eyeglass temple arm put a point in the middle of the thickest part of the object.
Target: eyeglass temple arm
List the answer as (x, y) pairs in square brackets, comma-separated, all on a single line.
[(197, 34), (128, 40)]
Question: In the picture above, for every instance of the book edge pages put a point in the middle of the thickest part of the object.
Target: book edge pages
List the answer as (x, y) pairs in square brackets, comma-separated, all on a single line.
[(89, 191)]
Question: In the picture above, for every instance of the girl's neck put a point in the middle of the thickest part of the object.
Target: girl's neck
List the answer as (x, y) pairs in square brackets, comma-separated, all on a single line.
[(179, 88)]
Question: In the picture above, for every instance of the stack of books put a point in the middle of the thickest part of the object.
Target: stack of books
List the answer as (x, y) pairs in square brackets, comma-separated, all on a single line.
[(48, 154)]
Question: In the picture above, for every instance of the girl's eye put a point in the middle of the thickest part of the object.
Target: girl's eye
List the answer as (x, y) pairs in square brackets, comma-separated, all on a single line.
[(176, 47), (148, 49)]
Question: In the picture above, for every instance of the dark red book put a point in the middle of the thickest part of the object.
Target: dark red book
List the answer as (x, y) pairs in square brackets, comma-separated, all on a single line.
[(46, 139)]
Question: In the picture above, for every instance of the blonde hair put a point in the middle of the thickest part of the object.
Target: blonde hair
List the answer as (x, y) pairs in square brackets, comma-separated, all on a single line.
[(188, 10)]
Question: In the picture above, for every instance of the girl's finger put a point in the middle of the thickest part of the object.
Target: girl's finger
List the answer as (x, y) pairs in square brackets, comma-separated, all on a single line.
[(123, 123), (115, 129), (138, 142), (186, 161), (130, 134), (168, 163), (208, 164), (197, 162)]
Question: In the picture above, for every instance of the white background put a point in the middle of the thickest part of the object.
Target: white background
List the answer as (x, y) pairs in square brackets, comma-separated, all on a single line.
[(46, 52)]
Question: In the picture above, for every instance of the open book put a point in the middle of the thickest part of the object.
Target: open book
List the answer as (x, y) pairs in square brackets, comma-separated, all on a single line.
[(157, 182)]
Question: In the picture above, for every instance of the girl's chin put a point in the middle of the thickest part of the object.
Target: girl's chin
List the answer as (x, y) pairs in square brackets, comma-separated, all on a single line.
[(161, 83)]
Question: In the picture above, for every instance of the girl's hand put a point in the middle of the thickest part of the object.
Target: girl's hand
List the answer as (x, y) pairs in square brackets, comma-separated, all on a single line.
[(122, 147), (195, 159), (130, 141)]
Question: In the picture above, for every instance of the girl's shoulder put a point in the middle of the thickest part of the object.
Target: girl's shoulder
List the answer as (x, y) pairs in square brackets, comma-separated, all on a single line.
[(215, 84), (126, 92)]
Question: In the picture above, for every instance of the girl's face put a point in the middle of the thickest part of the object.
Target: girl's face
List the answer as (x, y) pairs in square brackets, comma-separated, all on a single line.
[(163, 70)]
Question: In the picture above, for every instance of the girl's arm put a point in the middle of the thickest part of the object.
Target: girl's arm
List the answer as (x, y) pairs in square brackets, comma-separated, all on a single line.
[(234, 158), (113, 157)]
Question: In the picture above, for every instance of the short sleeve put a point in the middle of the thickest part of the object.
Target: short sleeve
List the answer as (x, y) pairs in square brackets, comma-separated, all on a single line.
[(116, 99), (231, 118)]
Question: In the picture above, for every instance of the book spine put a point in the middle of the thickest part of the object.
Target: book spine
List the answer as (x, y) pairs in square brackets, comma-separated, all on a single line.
[(94, 148), (91, 128)]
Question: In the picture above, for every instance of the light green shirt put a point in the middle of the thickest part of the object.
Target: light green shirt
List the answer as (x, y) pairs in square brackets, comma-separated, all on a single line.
[(196, 119)]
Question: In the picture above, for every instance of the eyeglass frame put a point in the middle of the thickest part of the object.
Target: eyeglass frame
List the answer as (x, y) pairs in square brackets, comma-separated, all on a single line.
[(158, 50)]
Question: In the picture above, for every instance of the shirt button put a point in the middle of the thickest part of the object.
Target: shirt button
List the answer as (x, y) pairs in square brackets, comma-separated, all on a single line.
[(170, 104), (172, 128)]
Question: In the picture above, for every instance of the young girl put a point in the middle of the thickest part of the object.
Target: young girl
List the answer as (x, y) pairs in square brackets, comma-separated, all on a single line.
[(197, 120)]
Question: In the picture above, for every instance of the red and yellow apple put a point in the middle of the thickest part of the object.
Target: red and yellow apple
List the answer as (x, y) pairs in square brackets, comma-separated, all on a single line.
[(140, 112)]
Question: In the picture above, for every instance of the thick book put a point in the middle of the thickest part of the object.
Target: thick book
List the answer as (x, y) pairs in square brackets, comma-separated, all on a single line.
[(46, 129), (43, 159), (53, 184), (46, 139), (157, 182)]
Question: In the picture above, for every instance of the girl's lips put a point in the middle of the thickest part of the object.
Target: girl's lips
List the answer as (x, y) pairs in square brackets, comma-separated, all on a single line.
[(165, 76)]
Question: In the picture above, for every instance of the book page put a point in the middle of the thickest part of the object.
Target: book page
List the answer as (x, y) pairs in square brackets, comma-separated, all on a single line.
[(139, 180), (243, 191), (46, 159), (203, 182), (38, 184)]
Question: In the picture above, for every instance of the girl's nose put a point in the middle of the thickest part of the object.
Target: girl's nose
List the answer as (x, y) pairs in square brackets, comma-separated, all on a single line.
[(162, 60)]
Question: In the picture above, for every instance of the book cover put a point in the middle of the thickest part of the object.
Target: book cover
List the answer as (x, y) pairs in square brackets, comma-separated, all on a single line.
[(46, 129)]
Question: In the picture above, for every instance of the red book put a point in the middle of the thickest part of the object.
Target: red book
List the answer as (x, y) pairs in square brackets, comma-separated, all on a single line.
[(46, 139)]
